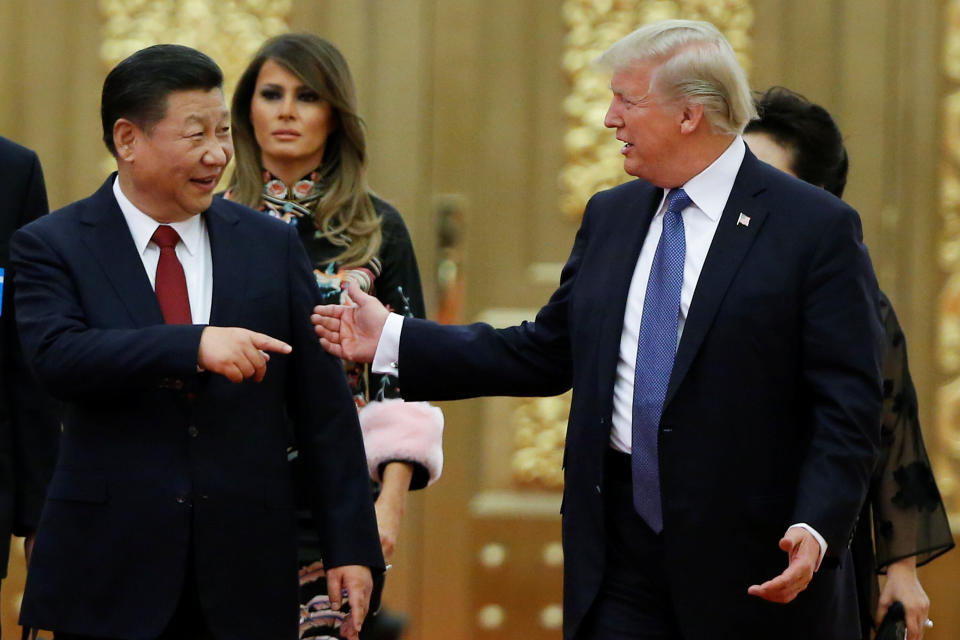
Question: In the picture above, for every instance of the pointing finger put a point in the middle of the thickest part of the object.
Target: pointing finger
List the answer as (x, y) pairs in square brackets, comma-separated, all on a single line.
[(266, 343)]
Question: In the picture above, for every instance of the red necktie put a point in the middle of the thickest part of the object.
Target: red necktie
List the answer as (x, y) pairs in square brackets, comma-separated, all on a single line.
[(171, 284)]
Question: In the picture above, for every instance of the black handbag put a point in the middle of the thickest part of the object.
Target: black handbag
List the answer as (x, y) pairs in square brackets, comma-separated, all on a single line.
[(894, 623)]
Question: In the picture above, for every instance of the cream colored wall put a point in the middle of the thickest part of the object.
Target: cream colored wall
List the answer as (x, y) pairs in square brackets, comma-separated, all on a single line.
[(464, 97)]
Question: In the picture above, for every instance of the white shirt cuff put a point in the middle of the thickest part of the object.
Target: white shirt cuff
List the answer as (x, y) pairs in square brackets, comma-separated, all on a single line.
[(819, 538), (385, 360)]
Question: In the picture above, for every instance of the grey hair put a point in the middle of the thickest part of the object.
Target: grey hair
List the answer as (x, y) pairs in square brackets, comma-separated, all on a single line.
[(696, 63)]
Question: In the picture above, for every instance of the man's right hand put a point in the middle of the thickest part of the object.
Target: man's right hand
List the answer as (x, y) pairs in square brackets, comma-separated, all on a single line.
[(237, 353), (353, 332)]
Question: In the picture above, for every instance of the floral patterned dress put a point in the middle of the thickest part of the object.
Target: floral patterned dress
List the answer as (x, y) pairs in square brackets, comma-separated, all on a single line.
[(392, 276), (904, 505)]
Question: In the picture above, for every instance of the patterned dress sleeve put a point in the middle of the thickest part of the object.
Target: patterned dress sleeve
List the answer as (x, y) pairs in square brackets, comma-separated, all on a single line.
[(909, 517), (395, 430)]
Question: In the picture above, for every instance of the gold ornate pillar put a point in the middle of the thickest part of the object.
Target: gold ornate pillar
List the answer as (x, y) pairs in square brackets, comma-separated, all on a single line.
[(229, 31), (945, 449)]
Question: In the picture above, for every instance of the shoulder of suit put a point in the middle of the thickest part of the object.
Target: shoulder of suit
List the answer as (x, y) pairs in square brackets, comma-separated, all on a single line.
[(13, 155), (250, 217), (790, 194), (629, 189)]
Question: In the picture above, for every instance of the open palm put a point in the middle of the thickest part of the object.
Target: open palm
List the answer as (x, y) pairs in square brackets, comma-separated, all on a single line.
[(351, 332)]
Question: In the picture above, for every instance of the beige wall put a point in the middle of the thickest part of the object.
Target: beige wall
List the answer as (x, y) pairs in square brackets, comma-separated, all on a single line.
[(464, 97)]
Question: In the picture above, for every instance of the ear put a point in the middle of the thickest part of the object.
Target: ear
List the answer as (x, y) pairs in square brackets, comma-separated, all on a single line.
[(690, 117), (125, 136)]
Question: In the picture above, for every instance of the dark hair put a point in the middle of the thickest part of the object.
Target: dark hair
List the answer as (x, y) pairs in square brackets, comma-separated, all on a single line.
[(808, 131), (137, 88)]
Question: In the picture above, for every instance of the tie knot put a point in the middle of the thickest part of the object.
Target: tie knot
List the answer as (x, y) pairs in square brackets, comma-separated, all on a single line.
[(677, 201), (165, 237)]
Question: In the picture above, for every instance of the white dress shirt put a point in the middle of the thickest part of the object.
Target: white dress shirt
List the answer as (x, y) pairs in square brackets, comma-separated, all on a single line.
[(709, 191), (193, 251)]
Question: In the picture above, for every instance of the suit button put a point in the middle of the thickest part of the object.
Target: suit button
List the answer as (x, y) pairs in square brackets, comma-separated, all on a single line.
[(193, 431), (181, 499)]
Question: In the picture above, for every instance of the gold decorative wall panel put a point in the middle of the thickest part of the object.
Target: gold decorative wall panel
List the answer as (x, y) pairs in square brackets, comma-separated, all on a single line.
[(229, 31), (946, 447), (593, 161), (541, 431)]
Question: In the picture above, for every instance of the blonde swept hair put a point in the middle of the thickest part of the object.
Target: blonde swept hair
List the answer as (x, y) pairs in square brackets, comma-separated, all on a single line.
[(696, 63), (344, 213)]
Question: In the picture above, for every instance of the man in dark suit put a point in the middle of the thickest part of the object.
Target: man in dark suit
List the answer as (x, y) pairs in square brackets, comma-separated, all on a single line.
[(150, 311), (717, 322), (28, 419)]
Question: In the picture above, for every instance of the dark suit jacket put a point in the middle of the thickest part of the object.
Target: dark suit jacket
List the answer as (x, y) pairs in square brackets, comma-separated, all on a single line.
[(771, 413), (29, 424), (158, 460)]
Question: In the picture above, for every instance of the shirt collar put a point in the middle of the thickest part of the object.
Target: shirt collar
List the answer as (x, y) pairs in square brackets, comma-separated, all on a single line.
[(710, 189), (142, 226)]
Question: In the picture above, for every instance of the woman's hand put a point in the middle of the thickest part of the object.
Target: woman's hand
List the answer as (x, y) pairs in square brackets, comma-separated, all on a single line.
[(392, 504), (903, 584)]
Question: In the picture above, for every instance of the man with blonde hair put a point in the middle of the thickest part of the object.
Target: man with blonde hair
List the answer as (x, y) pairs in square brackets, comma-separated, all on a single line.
[(723, 348)]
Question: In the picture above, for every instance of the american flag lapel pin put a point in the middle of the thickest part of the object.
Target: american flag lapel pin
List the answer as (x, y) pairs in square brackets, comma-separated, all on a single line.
[(743, 220)]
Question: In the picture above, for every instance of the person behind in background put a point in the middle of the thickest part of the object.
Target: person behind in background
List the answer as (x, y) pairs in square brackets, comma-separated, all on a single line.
[(301, 157), (903, 523), (153, 311), (29, 424), (717, 321)]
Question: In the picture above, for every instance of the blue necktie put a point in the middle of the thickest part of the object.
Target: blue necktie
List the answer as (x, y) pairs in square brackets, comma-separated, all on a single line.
[(656, 350)]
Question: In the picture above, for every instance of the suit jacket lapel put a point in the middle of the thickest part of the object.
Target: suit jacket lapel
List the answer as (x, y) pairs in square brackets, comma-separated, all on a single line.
[(105, 232), (729, 247), (230, 262), (620, 254)]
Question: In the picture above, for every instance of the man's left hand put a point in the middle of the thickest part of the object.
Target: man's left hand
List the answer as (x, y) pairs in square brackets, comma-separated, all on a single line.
[(804, 552), (357, 582)]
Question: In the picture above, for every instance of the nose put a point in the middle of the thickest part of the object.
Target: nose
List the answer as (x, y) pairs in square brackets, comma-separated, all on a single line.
[(218, 153), (287, 106), (613, 119)]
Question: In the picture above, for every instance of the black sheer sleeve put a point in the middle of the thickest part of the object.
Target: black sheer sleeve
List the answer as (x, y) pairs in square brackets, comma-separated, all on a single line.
[(398, 286), (909, 517)]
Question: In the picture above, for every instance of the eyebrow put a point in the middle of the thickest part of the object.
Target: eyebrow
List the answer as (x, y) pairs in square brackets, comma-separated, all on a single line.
[(196, 119), (274, 85)]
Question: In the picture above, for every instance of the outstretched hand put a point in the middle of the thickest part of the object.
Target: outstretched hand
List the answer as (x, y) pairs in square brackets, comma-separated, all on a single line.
[(804, 553), (351, 332)]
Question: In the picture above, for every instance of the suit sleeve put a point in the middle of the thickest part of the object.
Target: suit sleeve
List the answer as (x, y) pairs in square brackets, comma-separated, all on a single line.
[(34, 415), (842, 346), (72, 359), (328, 433), (441, 362)]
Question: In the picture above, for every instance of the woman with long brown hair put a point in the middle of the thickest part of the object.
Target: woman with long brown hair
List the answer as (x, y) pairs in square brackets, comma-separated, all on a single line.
[(301, 156)]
